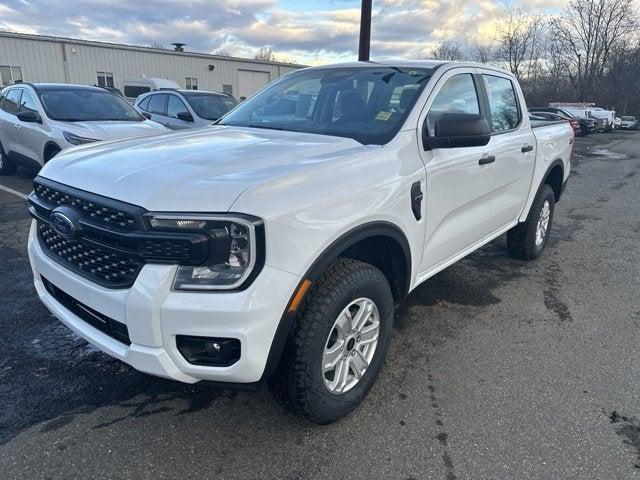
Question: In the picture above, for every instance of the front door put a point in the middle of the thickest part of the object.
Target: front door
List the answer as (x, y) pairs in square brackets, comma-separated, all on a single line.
[(459, 180)]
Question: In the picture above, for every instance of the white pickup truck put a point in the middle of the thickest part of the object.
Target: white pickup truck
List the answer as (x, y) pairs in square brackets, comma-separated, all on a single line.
[(274, 245)]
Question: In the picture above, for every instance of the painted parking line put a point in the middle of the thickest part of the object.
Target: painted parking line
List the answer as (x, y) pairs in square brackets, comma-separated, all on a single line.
[(14, 192)]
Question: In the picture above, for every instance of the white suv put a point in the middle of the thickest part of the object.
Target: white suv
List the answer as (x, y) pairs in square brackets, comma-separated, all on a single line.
[(181, 109), (39, 120), (275, 244)]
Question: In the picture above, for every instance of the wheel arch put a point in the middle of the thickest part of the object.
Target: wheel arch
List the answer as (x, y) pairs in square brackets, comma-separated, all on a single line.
[(393, 259), (48, 147), (554, 177)]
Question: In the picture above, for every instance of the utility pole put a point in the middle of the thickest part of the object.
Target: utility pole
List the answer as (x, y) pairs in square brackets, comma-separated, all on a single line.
[(365, 31)]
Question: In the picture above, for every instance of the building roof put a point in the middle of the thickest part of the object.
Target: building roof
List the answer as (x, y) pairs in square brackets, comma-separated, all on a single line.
[(122, 46)]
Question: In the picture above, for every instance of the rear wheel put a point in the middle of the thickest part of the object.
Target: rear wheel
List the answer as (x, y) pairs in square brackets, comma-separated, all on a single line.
[(528, 239), (338, 345), (584, 130), (6, 166)]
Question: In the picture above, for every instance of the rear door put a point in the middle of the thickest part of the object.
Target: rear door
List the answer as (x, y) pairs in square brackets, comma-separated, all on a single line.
[(514, 146), (157, 108), (459, 180)]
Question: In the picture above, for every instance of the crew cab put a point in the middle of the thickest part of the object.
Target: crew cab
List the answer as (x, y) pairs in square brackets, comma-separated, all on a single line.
[(274, 245)]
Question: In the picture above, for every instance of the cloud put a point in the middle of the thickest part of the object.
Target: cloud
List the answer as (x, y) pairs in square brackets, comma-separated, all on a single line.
[(400, 28)]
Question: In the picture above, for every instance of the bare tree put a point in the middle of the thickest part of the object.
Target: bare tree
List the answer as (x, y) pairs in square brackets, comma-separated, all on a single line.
[(158, 45), (265, 54), (448, 50), (590, 32), (519, 41), (221, 52), (482, 53)]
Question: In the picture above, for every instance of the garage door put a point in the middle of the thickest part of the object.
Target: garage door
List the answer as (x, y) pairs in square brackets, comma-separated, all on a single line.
[(250, 82)]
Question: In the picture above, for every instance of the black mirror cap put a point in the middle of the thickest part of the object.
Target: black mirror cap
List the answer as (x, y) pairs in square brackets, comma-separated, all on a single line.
[(185, 116), (29, 116), (146, 115), (458, 130)]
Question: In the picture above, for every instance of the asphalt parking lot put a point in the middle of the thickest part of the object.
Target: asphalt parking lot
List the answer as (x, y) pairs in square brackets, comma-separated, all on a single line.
[(499, 369)]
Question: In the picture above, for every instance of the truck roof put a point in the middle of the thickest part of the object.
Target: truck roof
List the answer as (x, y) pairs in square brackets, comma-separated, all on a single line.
[(428, 64)]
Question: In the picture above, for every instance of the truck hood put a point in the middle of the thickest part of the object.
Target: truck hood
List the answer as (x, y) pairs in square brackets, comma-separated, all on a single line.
[(112, 130), (193, 171)]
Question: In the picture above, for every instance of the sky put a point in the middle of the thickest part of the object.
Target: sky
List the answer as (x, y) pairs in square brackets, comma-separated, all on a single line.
[(309, 32)]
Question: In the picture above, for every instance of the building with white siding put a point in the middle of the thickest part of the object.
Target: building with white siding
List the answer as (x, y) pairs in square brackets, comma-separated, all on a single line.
[(38, 58)]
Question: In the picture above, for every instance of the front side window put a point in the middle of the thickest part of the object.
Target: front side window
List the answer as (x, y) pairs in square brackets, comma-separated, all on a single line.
[(105, 79), (457, 95), (175, 106), (12, 101), (157, 104), (503, 103), (362, 103), (144, 104), (210, 107), (27, 103), (191, 83), (87, 105)]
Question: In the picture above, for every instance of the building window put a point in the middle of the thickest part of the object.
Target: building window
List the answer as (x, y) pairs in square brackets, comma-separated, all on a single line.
[(105, 79), (228, 89), (192, 83), (10, 75)]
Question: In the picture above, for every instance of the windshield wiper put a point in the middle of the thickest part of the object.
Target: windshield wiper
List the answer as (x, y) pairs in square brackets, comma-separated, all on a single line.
[(267, 127)]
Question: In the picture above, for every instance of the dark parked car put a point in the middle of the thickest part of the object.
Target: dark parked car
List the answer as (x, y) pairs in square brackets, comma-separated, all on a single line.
[(587, 125), (577, 128)]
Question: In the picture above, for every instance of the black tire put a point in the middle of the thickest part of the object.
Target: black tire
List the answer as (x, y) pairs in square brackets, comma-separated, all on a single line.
[(521, 239), (584, 130), (299, 383), (6, 166)]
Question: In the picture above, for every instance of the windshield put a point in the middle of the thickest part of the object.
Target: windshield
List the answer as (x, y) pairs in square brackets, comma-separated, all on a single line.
[(628, 119), (367, 104), (87, 105), (210, 106)]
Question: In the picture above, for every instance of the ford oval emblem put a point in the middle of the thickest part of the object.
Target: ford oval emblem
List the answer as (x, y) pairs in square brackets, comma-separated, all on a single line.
[(64, 221)]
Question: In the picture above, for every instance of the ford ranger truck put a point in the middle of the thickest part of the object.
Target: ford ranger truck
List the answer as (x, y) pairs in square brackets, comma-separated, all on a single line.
[(274, 245)]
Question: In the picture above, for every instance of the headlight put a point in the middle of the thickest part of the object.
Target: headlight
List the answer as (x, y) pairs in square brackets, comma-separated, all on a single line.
[(74, 139), (233, 251)]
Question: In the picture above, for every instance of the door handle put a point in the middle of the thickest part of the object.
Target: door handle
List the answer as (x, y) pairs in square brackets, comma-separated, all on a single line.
[(486, 160), (527, 148)]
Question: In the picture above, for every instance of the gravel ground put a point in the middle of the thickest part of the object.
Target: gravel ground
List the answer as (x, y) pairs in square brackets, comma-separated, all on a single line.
[(499, 369)]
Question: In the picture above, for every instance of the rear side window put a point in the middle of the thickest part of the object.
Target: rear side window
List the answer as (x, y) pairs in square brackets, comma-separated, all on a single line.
[(157, 104), (457, 95), (12, 101), (144, 104), (503, 103)]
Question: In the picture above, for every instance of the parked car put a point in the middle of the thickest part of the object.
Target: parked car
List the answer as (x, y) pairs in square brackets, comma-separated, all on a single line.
[(275, 244), (587, 125), (136, 86), (39, 120), (182, 109), (629, 122), (542, 116)]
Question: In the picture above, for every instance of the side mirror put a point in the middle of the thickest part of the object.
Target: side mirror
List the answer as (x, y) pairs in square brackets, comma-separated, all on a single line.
[(457, 130), (28, 116), (185, 116), (146, 115)]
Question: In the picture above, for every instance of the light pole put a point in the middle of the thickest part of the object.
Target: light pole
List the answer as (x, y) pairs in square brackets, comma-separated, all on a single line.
[(365, 31)]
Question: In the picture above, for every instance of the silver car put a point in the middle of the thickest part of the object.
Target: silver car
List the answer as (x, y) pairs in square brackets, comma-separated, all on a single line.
[(182, 109), (39, 120)]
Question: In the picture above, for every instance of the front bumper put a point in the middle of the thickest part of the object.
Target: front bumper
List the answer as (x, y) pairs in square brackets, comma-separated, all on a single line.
[(155, 315)]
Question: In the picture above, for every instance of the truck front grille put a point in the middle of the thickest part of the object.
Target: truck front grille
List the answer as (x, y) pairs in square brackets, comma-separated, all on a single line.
[(112, 242), (106, 268)]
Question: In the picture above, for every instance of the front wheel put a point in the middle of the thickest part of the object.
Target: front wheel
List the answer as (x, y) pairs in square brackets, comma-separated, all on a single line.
[(528, 239), (338, 345)]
